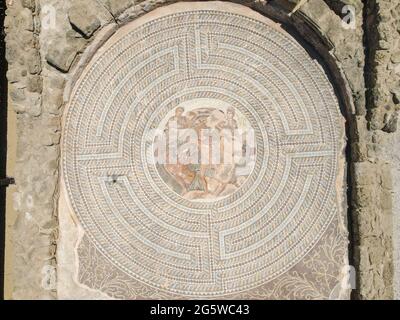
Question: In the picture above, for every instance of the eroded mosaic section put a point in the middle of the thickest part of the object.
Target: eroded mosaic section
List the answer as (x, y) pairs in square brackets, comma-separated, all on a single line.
[(207, 231)]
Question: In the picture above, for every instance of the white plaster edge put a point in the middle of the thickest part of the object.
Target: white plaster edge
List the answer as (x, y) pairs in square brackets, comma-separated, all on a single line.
[(71, 234)]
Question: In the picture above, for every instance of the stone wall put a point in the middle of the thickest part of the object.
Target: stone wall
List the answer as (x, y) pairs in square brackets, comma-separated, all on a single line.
[(49, 41), (37, 152), (383, 96)]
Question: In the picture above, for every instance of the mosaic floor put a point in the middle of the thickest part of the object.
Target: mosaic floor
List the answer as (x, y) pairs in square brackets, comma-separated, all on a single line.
[(268, 225)]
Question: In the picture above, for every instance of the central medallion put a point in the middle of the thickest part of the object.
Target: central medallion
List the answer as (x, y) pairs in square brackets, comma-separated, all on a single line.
[(204, 149)]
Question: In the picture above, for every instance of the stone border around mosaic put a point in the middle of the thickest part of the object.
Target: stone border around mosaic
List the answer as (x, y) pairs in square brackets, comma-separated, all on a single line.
[(231, 11)]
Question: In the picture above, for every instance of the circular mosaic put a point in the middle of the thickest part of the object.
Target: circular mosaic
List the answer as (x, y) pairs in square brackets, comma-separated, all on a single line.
[(193, 226)]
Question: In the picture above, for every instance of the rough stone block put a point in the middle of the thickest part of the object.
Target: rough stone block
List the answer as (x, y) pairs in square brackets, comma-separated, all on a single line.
[(34, 105), (377, 119), (52, 101), (12, 54), (117, 7), (35, 84), (390, 122), (396, 95), (18, 108), (364, 197), (364, 173), (358, 152), (30, 4), (386, 176), (17, 92), (379, 96), (33, 61), (62, 58), (14, 75), (395, 57), (25, 19), (83, 19), (57, 82), (386, 200)]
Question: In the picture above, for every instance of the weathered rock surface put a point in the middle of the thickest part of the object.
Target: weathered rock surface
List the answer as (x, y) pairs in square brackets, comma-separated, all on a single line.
[(84, 20), (117, 7), (63, 57)]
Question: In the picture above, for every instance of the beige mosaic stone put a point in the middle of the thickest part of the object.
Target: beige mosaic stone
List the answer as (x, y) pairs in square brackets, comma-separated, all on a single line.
[(146, 232)]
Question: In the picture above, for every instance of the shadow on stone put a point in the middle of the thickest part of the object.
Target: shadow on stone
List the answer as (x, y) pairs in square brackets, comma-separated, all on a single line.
[(3, 145)]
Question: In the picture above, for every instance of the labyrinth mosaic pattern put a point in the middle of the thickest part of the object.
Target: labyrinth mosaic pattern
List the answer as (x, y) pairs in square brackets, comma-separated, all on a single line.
[(150, 231)]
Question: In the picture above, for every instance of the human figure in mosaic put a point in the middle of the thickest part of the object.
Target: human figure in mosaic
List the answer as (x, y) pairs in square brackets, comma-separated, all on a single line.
[(179, 119), (224, 173), (229, 122), (179, 171)]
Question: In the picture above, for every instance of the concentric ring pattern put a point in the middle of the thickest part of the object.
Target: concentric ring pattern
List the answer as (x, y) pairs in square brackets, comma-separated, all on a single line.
[(141, 225)]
